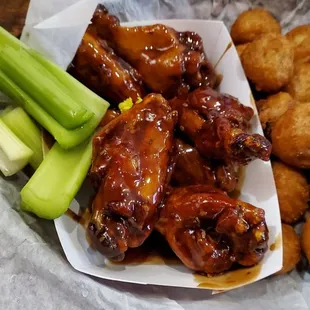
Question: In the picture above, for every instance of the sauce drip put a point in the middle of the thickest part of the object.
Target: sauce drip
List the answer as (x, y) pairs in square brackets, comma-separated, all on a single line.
[(277, 243), (219, 79), (228, 280), (155, 250), (229, 45), (82, 218)]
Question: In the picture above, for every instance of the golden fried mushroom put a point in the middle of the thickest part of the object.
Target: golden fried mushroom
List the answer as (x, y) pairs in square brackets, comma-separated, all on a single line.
[(291, 249), (293, 192), (290, 136), (300, 38), (269, 62), (240, 48), (305, 238), (272, 108), (253, 23), (299, 86)]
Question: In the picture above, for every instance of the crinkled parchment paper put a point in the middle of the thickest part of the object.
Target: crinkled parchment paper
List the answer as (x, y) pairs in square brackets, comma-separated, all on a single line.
[(34, 273)]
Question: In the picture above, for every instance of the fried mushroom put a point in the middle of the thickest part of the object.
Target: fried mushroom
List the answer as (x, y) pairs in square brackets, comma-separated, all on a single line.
[(291, 249), (240, 48), (271, 108), (291, 136), (293, 192), (268, 62), (253, 23), (299, 86), (300, 38)]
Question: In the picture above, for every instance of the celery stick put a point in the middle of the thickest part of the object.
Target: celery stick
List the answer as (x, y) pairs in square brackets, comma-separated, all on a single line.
[(9, 167), (66, 138), (43, 87), (55, 183), (26, 130), (8, 39), (14, 154), (77, 90), (7, 109)]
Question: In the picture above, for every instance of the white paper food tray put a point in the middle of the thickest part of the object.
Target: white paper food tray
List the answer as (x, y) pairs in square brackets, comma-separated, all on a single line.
[(258, 187)]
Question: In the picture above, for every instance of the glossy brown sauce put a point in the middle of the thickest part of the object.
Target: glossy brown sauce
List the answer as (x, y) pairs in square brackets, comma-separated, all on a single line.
[(82, 218), (130, 160), (219, 79), (277, 243), (229, 45), (155, 250), (168, 61), (230, 279), (109, 116), (100, 69), (237, 191)]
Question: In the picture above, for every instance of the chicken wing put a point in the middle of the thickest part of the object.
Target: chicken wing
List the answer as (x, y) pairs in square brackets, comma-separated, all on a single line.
[(210, 232), (96, 65), (109, 116), (217, 125), (191, 168), (130, 169), (168, 61)]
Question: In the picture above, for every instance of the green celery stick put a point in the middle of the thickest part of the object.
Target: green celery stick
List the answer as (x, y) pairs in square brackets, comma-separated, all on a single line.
[(8, 39), (55, 183), (77, 90), (26, 130), (66, 138), (43, 87), (14, 154)]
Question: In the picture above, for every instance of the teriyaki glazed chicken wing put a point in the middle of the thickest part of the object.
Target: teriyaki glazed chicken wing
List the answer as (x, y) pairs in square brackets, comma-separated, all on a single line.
[(131, 168)]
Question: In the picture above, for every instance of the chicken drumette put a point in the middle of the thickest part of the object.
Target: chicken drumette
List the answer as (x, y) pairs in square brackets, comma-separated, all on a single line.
[(191, 168), (169, 62), (217, 124), (96, 65), (131, 169), (210, 232)]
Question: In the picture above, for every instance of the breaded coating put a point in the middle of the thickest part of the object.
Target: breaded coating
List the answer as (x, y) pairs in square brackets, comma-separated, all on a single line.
[(290, 136), (253, 23), (240, 48), (300, 38), (269, 62), (293, 192), (299, 86), (305, 238), (291, 249), (272, 108)]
